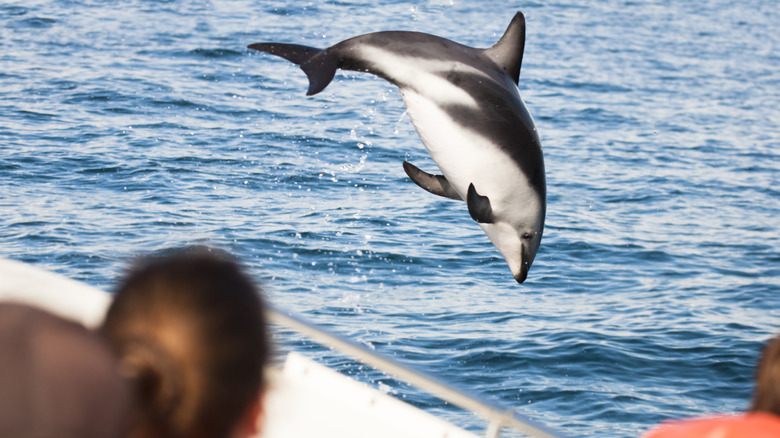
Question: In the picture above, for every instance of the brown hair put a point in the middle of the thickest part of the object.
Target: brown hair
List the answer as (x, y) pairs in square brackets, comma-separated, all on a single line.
[(767, 393), (188, 325), (57, 378)]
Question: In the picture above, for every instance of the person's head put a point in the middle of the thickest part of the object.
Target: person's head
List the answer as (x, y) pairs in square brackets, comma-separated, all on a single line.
[(189, 328), (57, 378), (766, 397)]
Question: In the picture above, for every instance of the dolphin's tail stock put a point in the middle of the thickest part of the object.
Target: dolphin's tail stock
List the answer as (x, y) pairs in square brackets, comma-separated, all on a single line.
[(319, 65)]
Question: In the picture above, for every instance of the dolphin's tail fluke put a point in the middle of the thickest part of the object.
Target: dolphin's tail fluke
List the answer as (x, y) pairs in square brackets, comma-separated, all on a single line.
[(508, 51), (319, 65)]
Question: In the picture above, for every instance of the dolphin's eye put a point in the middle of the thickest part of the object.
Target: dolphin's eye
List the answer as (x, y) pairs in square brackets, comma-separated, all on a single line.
[(526, 236)]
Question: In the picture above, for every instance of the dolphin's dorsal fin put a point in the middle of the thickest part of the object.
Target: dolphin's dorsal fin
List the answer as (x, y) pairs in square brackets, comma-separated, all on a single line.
[(436, 184), (508, 51), (479, 206)]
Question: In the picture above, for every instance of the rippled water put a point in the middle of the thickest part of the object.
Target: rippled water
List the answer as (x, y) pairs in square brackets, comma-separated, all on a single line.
[(136, 125)]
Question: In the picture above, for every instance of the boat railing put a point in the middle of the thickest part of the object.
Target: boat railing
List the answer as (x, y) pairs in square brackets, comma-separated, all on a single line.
[(497, 416)]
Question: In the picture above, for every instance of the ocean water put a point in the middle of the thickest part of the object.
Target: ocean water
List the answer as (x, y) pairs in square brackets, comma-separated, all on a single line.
[(136, 125)]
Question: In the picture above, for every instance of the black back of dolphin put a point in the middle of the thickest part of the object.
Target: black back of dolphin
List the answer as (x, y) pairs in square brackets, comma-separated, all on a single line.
[(320, 65)]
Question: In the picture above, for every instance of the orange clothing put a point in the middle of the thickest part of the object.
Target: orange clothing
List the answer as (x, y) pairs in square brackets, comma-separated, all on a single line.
[(752, 425)]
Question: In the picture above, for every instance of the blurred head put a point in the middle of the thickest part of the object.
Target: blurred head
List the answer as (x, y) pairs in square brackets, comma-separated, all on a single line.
[(188, 326), (57, 378), (766, 397)]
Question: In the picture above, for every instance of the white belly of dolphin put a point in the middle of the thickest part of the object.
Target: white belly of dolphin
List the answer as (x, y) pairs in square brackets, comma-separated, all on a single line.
[(465, 157)]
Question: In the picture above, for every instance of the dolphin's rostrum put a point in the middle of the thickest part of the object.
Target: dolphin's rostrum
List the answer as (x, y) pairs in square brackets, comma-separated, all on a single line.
[(466, 107)]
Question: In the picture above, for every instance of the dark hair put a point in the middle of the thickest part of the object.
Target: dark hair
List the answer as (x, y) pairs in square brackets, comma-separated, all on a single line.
[(189, 328), (766, 397), (57, 378)]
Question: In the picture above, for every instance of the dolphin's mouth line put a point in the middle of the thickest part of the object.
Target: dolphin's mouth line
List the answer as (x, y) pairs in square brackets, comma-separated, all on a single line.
[(523, 273)]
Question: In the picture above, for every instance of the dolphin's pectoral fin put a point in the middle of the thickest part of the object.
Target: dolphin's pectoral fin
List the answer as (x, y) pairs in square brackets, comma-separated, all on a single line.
[(436, 184), (507, 53), (319, 65), (479, 206)]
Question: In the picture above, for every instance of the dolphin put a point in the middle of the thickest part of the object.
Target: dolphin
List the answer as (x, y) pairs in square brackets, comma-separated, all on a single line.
[(466, 108)]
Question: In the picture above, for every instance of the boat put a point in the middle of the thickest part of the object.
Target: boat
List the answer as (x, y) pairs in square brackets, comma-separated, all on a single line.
[(304, 398)]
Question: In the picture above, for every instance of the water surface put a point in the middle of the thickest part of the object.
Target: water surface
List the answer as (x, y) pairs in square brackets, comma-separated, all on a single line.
[(139, 125)]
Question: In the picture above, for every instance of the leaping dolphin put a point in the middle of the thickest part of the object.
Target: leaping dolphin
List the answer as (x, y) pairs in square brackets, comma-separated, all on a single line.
[(466, 107)]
